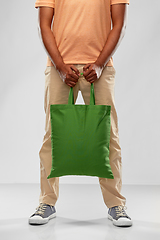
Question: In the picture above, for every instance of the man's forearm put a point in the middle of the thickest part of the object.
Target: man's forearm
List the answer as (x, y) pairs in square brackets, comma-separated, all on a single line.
[(67, 72), (119, 19), (49, 42), (93, 71), (112, 43)]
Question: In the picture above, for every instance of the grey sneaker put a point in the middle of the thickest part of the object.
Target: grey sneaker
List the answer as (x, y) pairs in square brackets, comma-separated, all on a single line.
[(119, 217), (43, 214)]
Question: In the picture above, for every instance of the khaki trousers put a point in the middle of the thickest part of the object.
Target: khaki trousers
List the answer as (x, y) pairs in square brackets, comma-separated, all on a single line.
[(57, 92)]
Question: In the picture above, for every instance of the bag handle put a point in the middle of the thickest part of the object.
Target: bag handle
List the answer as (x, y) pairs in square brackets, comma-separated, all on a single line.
[(92, 96)]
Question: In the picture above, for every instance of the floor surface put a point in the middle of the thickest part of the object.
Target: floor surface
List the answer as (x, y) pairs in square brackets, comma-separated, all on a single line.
[(81, 214)]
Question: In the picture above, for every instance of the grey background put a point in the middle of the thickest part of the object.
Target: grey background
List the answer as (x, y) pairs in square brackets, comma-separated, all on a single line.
[(22, 64)]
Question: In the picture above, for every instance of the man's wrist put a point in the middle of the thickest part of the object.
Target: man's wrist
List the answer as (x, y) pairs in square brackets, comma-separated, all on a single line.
[(99, 64), (59, 65)]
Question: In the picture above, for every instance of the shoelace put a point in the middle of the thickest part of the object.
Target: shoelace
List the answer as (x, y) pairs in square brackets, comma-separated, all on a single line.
[(41, 209), (120, 211)]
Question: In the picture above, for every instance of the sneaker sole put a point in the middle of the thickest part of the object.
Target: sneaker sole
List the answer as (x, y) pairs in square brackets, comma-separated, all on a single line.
[(124, 223), (39, 221)]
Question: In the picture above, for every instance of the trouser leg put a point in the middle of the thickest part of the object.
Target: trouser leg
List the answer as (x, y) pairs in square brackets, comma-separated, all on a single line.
[(104, 95), (56, 92)]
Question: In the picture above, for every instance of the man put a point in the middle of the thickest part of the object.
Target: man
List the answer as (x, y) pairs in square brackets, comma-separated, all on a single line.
[(78, 38)]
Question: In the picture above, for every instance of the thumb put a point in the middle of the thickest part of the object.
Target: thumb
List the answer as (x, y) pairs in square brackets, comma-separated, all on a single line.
[(86, 67), (75, 69)]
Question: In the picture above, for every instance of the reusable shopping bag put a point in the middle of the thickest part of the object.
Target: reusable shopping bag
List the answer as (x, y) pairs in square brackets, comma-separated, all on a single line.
[(80, 136)]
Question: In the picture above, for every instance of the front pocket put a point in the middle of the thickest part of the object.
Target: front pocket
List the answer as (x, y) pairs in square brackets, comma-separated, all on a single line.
[(48, 69)]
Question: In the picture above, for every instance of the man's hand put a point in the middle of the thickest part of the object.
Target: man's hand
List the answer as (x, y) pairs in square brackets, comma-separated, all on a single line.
[(69, 74), (92, 72)]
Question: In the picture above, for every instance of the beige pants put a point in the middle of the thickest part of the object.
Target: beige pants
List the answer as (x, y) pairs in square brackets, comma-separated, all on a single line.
[(57, 92)]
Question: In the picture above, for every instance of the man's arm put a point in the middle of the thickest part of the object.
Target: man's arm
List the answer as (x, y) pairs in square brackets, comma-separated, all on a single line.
[(66, 71), (119, 19)]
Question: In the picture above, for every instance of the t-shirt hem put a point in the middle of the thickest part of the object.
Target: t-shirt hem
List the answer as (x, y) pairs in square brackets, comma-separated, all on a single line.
[(119, 1), (49, 63), (44, 4)]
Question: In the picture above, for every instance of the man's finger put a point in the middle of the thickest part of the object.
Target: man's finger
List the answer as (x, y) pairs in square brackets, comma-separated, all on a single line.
[(72, 74), (75, 70), (91, 79), (74, 77), (92, 74), (88, 72), (70, 83), (86, 67)]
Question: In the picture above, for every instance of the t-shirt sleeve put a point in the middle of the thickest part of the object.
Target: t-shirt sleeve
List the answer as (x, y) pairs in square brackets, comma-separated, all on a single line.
[(119, 1), (45, 3)]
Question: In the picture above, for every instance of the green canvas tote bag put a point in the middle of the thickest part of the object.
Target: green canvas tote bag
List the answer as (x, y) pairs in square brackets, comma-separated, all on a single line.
[(80, 137)]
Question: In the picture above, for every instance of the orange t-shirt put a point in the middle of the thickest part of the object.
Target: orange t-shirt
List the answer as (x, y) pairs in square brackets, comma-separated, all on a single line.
[(80, 28)]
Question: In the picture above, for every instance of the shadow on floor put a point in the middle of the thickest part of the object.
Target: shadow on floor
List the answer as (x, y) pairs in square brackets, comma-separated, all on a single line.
[(61, 228)]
